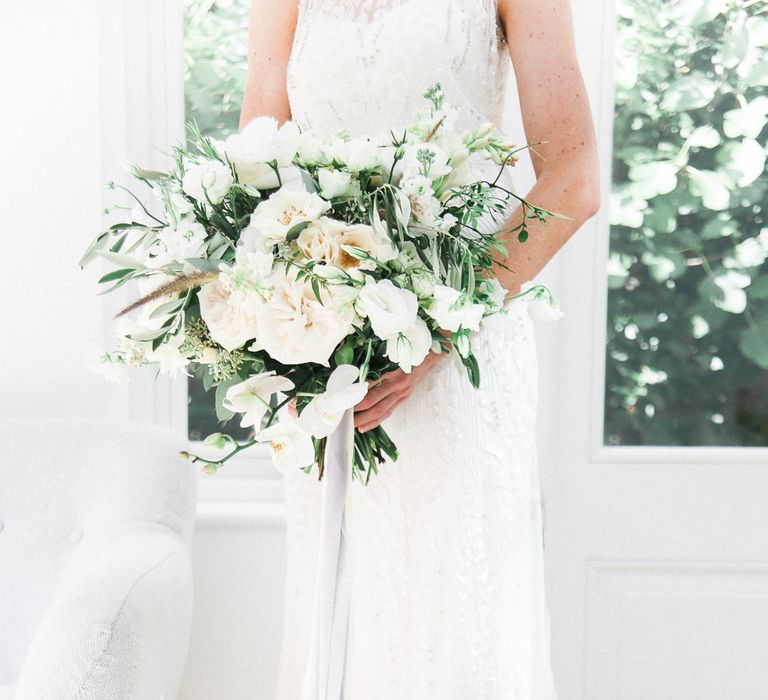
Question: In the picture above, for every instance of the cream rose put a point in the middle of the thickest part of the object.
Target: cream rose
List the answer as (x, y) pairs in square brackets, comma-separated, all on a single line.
[(294, 327), (230, 317)]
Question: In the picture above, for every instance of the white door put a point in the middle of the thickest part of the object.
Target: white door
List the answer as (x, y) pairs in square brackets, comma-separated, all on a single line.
[(657, 544)]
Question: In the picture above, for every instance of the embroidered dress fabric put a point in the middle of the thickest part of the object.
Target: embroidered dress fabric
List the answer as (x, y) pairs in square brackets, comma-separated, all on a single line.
[(445, 545)]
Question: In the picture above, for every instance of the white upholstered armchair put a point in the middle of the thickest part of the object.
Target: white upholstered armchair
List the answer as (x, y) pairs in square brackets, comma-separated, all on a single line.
[(95, 577)]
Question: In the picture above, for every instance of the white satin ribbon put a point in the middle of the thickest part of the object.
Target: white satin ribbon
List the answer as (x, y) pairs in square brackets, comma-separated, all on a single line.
[(324, 675)]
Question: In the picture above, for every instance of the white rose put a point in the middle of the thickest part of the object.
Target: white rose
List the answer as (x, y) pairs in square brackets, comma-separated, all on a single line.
[(260, 143), (274, 217), (208, 180), (391, 309), (344, 390), (290, 446), (408, 349), (336, 183), (452, 312), (294, 327), (230, 317), (365, 238), (319, 242), (251, 398)]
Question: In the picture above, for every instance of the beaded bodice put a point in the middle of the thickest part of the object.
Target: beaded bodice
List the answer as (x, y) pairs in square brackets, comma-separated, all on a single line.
[(363, 65)]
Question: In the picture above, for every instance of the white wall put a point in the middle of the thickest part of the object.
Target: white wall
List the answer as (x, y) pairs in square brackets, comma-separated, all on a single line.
[(50, 202)]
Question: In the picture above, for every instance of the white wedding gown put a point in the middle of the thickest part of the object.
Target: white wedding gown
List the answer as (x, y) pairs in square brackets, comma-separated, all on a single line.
[(445, 549)]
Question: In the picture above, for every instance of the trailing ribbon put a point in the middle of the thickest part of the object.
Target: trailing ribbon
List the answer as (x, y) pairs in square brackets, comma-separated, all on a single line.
[(324, 675)]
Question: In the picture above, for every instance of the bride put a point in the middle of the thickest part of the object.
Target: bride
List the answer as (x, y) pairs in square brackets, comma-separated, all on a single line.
[(444, 547)]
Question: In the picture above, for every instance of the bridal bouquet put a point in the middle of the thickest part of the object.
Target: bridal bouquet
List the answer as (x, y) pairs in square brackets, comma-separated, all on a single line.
[(290, 267)]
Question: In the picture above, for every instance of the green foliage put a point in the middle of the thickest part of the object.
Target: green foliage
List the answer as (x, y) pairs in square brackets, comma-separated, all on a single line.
[(216, 59), (687, 347)]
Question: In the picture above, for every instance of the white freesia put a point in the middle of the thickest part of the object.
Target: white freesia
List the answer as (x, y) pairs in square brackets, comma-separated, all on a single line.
[(391, 309), (452, 311), (294, 327), (257, 147), (252, 397), (274, 217), (290, 446), (344, 390), (409, 348), (229, 314), (336, 183), (542, 304), (208, 180)]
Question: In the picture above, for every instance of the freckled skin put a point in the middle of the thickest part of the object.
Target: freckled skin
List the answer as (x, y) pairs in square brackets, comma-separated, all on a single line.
[(556, 116)]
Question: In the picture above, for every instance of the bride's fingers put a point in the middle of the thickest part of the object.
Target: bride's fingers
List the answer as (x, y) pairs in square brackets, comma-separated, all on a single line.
[(365, 420), (381, 389)]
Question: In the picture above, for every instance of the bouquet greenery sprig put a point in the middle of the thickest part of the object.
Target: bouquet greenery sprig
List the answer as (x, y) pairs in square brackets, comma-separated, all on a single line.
[(288, 266)]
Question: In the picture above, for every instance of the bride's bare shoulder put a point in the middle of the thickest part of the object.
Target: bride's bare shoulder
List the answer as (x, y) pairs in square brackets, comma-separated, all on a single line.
[(270, 37)]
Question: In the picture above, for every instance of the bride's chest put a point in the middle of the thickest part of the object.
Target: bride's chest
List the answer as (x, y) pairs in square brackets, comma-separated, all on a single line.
[(390, 36)]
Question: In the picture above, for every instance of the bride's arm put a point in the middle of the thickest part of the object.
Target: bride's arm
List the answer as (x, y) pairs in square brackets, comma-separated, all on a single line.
[(554, 106), (270, 37), (555, 109)]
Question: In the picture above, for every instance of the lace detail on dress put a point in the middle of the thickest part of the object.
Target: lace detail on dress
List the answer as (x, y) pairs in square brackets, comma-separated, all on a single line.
[(364, 66)]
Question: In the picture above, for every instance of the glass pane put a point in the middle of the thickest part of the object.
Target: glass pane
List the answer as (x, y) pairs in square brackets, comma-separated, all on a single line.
[(215, 54), (687, 350)]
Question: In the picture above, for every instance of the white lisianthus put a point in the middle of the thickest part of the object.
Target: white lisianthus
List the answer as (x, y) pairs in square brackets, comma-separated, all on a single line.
[(408, 349), (358, 154), (391, 309), (274, 217), (294, 327), (344, 390), (252, 397), (542, 304), (169, 356), (230, 315), (260, 145), (208, 180), (426, 159), (452, 310), (290, 446), (336, 183)]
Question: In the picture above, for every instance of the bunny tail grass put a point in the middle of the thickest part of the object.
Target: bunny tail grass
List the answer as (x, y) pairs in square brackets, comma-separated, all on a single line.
[(181, 284)]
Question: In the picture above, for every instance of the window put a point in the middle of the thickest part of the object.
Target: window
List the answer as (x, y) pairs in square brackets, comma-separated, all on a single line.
[(687, 329), (215, 55)]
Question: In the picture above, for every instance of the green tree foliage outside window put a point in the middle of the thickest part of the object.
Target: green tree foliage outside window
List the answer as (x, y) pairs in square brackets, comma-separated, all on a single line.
[(687, 350), (216, 59)]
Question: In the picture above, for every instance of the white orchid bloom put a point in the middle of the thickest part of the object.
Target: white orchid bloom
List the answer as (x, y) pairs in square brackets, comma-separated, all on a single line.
[(290, 446), (343, 391), (452, 312), (251, 398)]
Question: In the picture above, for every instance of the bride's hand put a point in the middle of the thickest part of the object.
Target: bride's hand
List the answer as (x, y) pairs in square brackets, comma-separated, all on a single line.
[(391, 389)]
